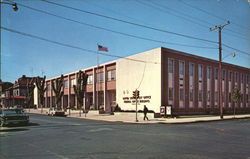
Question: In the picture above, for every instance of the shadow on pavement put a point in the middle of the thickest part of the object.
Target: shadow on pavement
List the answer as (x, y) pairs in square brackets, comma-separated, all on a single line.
[(14, 130), (21, 125)]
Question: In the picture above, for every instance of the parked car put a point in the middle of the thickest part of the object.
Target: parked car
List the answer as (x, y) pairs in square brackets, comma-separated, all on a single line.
[(18, 107), (56, 112), (13, 116)]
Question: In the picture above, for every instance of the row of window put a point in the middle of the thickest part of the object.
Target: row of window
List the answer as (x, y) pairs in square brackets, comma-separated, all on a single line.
[(191, 95), (111, 76), (244, 78)]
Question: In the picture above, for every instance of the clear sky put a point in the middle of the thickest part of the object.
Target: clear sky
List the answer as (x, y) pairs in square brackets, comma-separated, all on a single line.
[(24, 55)]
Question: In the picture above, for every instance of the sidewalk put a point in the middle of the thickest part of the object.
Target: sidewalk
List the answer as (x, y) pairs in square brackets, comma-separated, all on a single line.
[(130, 117)]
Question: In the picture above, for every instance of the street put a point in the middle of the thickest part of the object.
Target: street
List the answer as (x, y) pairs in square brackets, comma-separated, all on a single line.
[(49, 137)]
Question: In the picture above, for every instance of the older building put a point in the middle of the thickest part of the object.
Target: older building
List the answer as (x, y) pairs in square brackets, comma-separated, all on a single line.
[(163, 76), (4, 86), (17, 93)]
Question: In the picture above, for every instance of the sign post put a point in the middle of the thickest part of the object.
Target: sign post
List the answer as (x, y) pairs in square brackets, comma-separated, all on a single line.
[(136, 95)]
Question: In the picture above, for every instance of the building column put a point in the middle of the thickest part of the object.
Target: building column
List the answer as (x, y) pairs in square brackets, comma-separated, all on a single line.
[(94, 88), (69, 91), (104, 87), (46, 95), (76, 101), (51, 94), (62, 98), (84, 98)]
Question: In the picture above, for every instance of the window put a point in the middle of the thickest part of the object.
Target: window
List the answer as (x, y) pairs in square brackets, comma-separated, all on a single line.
[(191, 69), (191, 95), (170, 93), (170, 65), (230, 76), (66, 84), (236, 76), (247, 98), (99, 77), (200, 71), (90, 79), (216, 73), (209, 72), (200, 95), (72, 82), (181, 67), (216, 96), (223, 74), (208, 96), (242, 78), (229, 97), (247, 80), (181, 94), (223, 97), (111, 75), (48, 87)]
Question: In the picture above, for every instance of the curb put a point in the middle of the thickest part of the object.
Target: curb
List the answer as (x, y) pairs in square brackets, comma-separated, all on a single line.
[(151, 122)]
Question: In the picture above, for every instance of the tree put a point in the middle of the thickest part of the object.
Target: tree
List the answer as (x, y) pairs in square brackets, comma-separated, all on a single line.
[(29, 91), (236, 95), (80, 88), (40, 83), (29, 95), (57, 87)]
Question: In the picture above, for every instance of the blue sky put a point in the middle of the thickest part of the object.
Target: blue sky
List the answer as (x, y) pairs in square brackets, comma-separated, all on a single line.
[(22, 55)]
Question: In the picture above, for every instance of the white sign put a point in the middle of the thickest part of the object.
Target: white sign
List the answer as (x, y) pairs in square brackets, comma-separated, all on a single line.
[(168, 110)]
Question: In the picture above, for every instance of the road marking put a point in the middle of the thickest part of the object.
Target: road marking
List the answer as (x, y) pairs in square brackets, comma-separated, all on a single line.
[(100, 129)]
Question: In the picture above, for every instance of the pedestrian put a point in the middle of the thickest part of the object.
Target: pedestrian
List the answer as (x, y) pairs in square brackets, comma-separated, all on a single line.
[(145, 111)]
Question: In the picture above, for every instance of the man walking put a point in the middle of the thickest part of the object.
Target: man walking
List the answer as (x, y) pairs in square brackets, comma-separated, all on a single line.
[(145, 111)]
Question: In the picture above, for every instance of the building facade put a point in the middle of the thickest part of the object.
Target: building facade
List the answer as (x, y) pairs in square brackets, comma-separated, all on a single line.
[(164, 77), (17, 93)]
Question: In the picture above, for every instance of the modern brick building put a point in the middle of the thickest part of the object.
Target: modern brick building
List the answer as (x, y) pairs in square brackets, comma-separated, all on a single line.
[(163, 76)]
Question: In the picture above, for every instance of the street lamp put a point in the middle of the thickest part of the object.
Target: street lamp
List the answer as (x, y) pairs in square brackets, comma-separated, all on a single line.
[(232, 54), (220, 83), (15, 8), (14, 5)]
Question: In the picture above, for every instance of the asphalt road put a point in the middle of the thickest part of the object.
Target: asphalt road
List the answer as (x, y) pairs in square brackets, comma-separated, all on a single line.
[(68, 138)]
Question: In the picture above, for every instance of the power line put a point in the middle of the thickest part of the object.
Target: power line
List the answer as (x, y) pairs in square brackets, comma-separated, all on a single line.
[(164, 10), (192, 19), (237, 34), (113, 31), (213, 15), (243, 52), (131, 23), (115, 12), (71, 46)]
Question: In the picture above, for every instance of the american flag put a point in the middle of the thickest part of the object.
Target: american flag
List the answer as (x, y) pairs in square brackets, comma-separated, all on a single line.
[(102, 48)]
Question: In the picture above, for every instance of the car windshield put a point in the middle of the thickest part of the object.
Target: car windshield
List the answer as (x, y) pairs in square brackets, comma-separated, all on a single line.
[(14, 111)]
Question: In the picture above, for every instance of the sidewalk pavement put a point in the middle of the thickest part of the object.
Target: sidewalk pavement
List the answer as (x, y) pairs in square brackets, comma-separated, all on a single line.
[(130, 117)]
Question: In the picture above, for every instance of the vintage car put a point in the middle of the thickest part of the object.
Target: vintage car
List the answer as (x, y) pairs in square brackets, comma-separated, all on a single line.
[(13, 116), (56, 112)]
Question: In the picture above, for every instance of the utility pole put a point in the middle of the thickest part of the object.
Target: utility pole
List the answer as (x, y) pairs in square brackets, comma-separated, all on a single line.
[(220, 27)]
